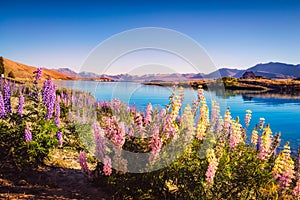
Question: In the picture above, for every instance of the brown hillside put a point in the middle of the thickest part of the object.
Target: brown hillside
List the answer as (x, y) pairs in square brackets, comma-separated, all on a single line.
[(25, 72)]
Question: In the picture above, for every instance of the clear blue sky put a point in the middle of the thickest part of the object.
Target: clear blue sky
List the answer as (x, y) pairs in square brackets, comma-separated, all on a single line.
[(236, 34)]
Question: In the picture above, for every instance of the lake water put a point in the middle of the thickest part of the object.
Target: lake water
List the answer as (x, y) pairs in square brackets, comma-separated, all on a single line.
[(281, 112)]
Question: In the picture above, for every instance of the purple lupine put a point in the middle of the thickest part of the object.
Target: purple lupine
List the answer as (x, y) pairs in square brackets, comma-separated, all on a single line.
[(7, 104), (100, 142), (38, 74), (83, 163), (2, 107), (59, 138), (49, 97), (21, 104), (28, 134), (57, 112)]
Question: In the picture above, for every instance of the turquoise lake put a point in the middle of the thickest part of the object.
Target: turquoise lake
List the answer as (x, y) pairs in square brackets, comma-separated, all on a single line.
[(281, 112)]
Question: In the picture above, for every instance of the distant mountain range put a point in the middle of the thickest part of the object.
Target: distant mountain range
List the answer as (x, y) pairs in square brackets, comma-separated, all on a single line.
[(268, 70)]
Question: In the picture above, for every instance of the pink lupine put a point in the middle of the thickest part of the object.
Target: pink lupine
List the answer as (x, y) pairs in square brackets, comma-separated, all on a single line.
[(248, 117), (168, 128), (235, 137), (119, 138), (284, 168), (156, 144), (148, 117), (83, 162), (296, 190), (138, 120), (107, 166), (212, 167)]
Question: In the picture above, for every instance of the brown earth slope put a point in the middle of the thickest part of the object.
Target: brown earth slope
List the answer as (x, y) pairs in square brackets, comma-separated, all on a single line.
[(25, 73)]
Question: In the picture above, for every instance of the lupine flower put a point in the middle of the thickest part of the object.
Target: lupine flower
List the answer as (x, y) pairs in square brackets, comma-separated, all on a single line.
[(204, 113), (7, 104), (83, 163), (70, 116), (176, 105), (49, 97), (59, 138), (212, 167), (119, 138), (254, 137), (21, 105), (138, 120), (284, 168), (265, 143), (116, 104), (235, 137), (296, 190), (200, 93), (100, 141), (156, 144), (38, 74), (261, 123), (275, 144), (248, 117), (227, 119), (2, 107), (107, 166), (201, 129), (169, 128), (162, 114), (215, 111), (148, 117), (57, 112), (28, 135)]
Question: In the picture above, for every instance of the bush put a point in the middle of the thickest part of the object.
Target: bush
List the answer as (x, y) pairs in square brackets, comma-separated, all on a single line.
[(213, 159), (11, 75)]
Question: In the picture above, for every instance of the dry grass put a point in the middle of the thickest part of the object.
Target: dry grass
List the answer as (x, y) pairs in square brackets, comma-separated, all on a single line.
[(25, 73)]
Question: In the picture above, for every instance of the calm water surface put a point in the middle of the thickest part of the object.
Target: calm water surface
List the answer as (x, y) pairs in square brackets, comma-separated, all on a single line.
[(281, 112)]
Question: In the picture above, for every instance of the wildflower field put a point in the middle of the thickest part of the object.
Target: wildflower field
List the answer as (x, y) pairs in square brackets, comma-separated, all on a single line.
[(175, 152)]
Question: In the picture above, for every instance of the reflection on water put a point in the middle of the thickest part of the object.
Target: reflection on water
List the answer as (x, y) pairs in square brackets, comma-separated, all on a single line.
[(271, 98)]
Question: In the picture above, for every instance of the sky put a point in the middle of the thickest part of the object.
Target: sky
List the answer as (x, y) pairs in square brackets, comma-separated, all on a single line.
[(234, 34)]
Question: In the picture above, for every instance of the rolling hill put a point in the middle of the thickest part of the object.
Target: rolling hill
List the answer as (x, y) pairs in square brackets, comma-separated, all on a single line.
[(25, 73)]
